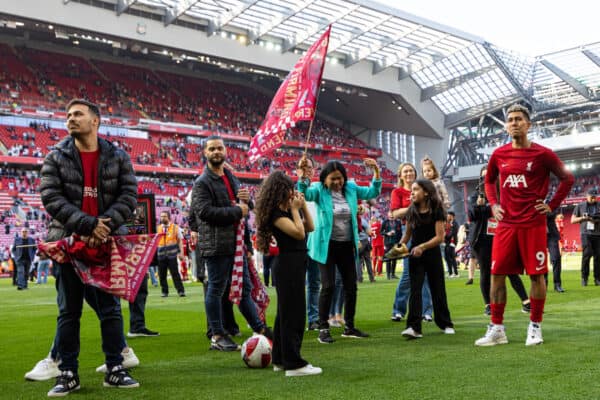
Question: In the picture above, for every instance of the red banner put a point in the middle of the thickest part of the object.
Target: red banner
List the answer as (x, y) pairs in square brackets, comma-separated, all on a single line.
[(294, 101), (117, 267)]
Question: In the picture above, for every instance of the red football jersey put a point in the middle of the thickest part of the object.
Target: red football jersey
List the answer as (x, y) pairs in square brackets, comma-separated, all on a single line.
[(523, 177), (376, 234)]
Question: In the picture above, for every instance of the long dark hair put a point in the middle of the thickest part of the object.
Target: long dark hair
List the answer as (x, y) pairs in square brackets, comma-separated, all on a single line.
[(333, 166), (413, 217), (274, 191)]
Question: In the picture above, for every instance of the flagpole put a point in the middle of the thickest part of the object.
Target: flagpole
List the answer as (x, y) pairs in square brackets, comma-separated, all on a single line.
[(316, 100)]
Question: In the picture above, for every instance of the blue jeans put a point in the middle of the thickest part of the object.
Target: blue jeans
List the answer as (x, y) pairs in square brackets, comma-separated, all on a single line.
[(152, 273), (313, 287), (71, 292), (22, 271), (338, 300), (403, 293), (43, 266), (219, 275)]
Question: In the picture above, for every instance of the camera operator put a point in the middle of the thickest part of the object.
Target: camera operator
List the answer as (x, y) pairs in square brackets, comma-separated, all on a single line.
[(587, 214)]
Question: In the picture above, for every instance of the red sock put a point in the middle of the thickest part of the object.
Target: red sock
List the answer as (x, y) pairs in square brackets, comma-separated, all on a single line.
[(537, 309), (497, 313)]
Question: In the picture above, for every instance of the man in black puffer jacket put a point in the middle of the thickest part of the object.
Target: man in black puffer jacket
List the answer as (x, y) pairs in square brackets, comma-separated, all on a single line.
[(88, 187), (217, 207)]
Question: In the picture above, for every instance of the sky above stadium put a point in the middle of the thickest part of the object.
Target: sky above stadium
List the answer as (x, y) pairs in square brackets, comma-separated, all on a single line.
[(531, 27)]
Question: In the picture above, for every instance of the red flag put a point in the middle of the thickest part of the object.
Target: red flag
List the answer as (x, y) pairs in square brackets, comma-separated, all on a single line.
[(294, 101), (117, 267)]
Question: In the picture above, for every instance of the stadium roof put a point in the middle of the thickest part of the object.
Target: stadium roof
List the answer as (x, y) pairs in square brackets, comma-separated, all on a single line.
[(464, 75)]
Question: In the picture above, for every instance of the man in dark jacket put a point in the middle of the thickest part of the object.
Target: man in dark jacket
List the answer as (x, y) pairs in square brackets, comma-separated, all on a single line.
[(450, 240), (218, 205), (24, 251), (88, 187)]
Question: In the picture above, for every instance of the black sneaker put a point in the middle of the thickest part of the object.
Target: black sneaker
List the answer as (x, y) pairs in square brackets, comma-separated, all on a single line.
[(313, 326), (354, 333), (487, 310), (66, 383), (118, 377), (526, 308), (142, 332), (325, 336), (267, 332), (181, 294), (223, 343)]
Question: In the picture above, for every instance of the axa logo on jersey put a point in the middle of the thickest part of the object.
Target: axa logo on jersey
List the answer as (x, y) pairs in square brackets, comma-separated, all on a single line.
[(514, 181)]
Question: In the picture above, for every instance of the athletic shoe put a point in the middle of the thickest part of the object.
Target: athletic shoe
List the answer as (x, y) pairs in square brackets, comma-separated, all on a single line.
[(164, 295), (181, 294), (495, 335), (469, 282), (304, 371), (411, 333), (130, 360), (526, 308), (313, 326), (44, 370), (277, 368), (325, 336), (142, 332), (397, 317), (66, 383), (118, 377), (267, 332), (427, 318), (449, 331), (334, 323), (224, 343), (487, 310), (534, 334), (354, 333)]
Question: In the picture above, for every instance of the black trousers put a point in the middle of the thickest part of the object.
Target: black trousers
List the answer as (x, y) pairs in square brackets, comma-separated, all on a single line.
[(591, 248), (555, 260), (429, 263), (483, 253), (268, 262), (342, 255), (137, 318), (450, 256), (171, 265), (289, 271)]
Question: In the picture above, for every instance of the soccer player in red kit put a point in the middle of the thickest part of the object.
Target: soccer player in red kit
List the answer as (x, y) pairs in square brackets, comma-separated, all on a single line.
[(522, 171), (377, 245)]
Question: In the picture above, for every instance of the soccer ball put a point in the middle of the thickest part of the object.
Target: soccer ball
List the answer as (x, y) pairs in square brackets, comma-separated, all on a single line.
[(256, 351)]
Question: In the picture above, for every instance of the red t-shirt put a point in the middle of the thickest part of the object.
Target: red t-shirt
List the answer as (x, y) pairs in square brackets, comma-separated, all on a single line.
[(376, 234), (400, 198), (524, 177), (89, 163)]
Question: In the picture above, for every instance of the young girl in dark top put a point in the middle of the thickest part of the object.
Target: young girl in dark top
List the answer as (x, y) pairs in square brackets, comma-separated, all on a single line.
[(282, 213), (425, 220)]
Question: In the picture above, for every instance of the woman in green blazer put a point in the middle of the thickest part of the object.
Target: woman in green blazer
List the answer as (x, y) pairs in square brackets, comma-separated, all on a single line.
[(334, 242)]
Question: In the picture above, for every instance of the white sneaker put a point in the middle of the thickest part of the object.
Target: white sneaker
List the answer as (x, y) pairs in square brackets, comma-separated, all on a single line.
[(534, 334), (449, 331), (427, 318), (277, 368), (410, 333), (334, 323), (130, 360), (44, 370), (495, 335), (304, 371)]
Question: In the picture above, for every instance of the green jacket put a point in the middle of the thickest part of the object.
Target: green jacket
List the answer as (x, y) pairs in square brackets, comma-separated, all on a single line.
[(318, 240)]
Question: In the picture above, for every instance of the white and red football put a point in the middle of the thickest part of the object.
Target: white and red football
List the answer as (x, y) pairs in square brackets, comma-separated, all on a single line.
[(256, 351)]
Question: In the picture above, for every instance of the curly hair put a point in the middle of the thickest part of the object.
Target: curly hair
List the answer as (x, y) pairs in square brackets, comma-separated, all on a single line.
[(413, 217), (274, 191)]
